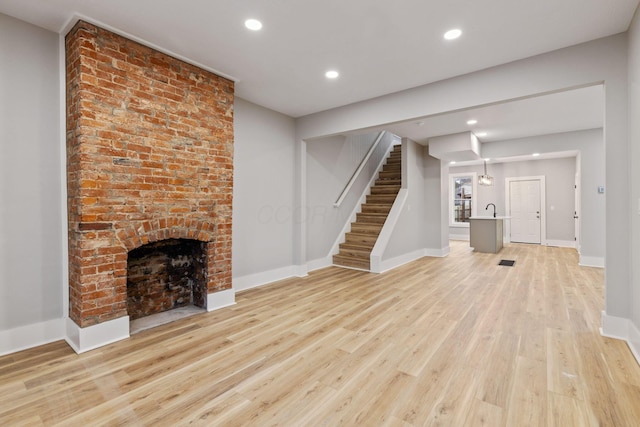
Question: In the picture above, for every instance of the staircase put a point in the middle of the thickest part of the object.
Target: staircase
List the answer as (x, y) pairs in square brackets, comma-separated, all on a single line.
[(356, 250)]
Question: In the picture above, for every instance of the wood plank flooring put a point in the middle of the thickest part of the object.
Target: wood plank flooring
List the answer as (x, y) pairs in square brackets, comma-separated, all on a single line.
[(455, 341)]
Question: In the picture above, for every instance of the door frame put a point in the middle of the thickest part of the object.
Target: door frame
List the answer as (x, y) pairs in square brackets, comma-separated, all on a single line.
[(543, 205), (577, 210)]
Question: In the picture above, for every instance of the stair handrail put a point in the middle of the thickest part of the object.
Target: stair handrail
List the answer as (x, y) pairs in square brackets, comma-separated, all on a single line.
[(359, 169)]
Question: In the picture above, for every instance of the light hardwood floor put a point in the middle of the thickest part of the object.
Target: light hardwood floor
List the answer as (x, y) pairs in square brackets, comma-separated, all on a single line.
[(455, 341)]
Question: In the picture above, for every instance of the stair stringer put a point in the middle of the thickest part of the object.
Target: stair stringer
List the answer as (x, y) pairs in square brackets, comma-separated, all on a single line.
[(335, 248), (375, 259)]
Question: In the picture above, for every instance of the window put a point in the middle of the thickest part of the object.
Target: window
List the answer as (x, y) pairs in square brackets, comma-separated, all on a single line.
[(462, 200)]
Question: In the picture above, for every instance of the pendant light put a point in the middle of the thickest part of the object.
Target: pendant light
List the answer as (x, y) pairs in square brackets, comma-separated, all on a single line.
[(485, 179)]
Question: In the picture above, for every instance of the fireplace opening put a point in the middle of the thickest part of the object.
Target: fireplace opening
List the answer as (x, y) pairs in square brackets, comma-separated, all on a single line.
[(166, 275)]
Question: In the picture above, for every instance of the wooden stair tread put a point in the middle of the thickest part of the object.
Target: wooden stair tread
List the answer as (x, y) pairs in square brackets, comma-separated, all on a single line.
[(385, 189), (361, 239), (355, 252), (369, 229), (346, 261), (389, 175), (355, 246), (376, 207), (383, 198), (388, 181), (371, 218)]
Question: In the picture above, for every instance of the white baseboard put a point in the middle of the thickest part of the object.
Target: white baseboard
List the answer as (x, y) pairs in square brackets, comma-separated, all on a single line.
[(634, 340), (221, 299), (389, 264), (92, 337), (300, 270), (319, 263), (84, 339), (461, 237), (28, 336), (622, 329), (438, 253), (591, 261), (258, 279), (562, 243)]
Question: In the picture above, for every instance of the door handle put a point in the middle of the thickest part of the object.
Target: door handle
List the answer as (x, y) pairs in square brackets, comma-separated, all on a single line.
[(575, 217)]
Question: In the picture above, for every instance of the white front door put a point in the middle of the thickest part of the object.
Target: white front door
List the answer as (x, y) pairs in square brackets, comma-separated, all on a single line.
[(525, 211)]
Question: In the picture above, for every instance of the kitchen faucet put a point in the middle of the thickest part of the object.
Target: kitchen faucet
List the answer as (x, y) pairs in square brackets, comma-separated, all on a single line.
[(494, 209)]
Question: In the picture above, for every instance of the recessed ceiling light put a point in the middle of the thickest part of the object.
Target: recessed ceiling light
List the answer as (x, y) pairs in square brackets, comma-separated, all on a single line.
[(253, 24), (535, 154), (472, 122), (453, 34), (452, 162), (481, 134), (332, 74), (486, 160)]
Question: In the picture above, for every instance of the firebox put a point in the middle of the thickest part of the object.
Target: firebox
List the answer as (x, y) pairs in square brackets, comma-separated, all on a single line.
[(165, 275)]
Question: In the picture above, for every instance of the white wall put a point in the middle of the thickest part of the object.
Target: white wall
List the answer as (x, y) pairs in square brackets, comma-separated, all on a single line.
[(436, 173), (31, 201), (634, 159), (559, 177), (409, 233), (263, 194), (603, 60)]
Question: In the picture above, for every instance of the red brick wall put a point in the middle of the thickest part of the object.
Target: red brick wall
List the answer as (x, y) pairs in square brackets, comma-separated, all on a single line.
[(149, 157)]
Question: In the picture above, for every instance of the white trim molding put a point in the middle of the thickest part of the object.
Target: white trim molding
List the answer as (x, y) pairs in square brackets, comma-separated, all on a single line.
[(390, 264), (437, 253), (562, 243), (300, 271), (92, 337), (591, 261), (265, 277), (221, 299), (375, 259), (317, 264), (622, 329), (474, 197), (28, 336)]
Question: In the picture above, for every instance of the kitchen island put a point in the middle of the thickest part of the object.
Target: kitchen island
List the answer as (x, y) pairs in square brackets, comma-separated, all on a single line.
[(485, 233)]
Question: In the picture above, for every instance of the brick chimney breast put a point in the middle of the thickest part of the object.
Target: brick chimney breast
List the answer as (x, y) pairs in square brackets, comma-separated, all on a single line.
[(149, 158)]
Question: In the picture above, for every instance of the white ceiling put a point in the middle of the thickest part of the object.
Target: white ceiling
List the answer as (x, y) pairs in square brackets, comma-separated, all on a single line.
[(378, 46), (572, 110)]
